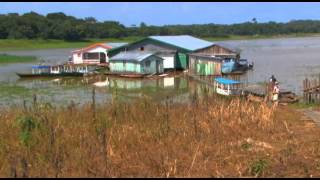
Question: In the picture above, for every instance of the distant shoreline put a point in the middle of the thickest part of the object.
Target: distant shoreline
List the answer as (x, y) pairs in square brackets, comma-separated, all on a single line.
[(34, 44)]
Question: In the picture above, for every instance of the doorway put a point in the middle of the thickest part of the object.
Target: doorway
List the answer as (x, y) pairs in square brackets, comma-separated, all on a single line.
[(102, 58)]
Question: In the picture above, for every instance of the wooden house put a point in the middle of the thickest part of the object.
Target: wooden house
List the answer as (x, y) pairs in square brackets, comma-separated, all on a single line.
[(136, 62), (172, 49), (209, 60), (94, 54), (204, 65), (218, 50)]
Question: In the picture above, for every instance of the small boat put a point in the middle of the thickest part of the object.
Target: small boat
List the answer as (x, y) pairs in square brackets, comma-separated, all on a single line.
[(228, 65), (243, 64), (132, 75), (227, 87), (30, 75), (56, 71)]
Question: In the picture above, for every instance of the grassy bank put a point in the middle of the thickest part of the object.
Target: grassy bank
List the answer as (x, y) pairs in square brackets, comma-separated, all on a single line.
[(18, 44), (5, 58), (24, 44), (211, 137)]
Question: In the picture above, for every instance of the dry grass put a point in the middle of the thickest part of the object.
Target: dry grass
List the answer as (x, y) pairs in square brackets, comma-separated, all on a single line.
[(206, 138)]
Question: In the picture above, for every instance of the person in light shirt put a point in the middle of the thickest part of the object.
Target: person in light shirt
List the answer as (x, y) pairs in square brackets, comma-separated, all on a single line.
[(276, 91)]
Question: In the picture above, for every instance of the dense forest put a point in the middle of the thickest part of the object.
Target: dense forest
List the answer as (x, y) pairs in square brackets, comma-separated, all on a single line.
[(60, 26)]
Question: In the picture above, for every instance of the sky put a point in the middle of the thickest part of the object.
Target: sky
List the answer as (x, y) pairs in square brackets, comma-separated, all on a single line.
[(167, 13)]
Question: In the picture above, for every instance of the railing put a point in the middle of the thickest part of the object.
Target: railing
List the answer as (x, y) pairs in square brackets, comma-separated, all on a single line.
[(311, 90)]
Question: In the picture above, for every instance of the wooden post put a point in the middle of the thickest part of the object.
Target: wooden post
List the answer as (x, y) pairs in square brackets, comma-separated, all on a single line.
[(94, 102), (303, 89)]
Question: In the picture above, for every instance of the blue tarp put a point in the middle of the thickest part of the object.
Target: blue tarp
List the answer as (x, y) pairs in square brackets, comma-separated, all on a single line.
[(40, 67), (226, 81)]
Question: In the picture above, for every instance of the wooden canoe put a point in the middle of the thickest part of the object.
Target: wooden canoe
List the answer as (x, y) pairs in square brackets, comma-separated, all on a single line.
[(132, 75), (30, 75)]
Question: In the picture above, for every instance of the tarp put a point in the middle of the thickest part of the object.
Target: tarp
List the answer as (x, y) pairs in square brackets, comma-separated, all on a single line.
[(40, 67), (226, 81)]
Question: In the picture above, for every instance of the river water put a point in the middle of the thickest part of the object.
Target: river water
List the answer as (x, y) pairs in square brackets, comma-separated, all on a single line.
[(289, 59)]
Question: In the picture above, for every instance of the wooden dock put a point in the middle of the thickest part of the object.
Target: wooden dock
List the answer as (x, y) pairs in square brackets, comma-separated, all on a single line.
[(254, 91)]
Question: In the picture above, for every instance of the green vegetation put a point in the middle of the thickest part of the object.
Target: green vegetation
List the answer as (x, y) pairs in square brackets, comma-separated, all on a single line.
[(29, 44), (60, 26), (302, 105), (5, 58), (7, 90), (258, 167)]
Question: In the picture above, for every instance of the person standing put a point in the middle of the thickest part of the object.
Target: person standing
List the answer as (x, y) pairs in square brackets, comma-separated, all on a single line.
[(276, 91), (271, 85), (273, 79)]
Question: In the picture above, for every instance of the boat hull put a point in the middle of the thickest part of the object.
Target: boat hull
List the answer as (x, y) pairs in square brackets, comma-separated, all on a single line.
[(27, 75), (228, 93), (132, 75)]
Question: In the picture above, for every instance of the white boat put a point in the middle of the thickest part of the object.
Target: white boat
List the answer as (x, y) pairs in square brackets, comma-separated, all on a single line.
[(226, 87)]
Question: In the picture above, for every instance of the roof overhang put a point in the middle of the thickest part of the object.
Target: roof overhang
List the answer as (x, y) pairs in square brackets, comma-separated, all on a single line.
[(92, 47)]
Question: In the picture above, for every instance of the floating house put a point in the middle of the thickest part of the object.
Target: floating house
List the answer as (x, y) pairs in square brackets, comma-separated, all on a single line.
[(218, 50), (136, 62), (95, 54), (205, 65), (173, 49), (211, 60)]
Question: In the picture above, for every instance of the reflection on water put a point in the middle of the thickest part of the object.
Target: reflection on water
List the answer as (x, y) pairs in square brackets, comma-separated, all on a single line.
[(290, 60), (64, 90)]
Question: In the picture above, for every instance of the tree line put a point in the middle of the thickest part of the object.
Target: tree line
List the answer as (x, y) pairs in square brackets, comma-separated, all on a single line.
[(61, 26)]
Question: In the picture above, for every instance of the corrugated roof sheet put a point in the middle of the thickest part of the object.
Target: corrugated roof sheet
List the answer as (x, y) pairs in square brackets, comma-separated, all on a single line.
[(115, 44), (131, 56), (184, 41)]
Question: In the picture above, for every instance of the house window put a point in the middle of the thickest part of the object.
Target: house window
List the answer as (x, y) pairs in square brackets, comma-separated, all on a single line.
[(90, 55)]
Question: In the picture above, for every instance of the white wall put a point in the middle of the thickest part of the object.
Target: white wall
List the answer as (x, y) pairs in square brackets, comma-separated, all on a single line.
[(168, 62), (78, 59)]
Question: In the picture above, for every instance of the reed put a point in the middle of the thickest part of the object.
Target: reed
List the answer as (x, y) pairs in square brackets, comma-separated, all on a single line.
[(209, 137)]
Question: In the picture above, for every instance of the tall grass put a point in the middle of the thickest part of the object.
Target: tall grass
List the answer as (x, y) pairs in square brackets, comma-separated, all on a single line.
[(203, 138)]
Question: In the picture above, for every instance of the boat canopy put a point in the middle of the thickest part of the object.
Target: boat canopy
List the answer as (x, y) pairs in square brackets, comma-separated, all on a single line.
[(226, 81), (40, 67)]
